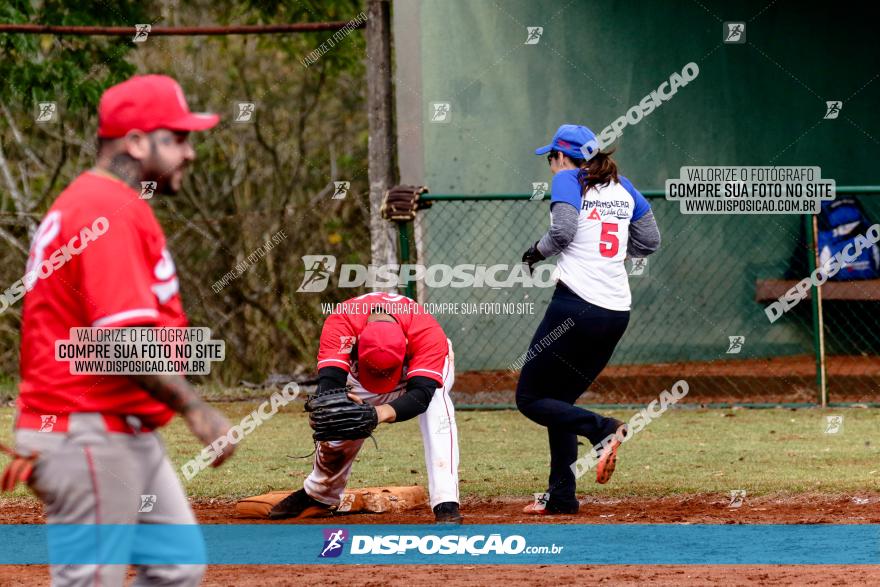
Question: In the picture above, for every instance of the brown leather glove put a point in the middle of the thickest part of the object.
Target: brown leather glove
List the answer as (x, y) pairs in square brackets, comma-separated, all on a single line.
[(401, 202)]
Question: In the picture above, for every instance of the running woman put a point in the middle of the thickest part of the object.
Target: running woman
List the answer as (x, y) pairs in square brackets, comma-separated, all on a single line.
[(597, 219)]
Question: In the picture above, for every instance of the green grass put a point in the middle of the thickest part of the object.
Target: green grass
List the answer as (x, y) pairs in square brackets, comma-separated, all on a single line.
[(503, 454)]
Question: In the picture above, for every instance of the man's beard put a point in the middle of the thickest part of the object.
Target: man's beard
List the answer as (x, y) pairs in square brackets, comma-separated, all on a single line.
[(162, 177), (135, 172), (155, 169)]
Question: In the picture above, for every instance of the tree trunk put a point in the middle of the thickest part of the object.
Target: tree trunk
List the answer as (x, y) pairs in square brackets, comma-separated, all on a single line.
[(383, 234)]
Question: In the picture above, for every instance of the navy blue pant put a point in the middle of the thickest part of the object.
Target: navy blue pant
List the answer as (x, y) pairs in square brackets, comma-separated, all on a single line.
[(572, 345)]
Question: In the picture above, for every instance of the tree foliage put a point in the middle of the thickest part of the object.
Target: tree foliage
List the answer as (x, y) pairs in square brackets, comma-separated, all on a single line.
[(250, 181)]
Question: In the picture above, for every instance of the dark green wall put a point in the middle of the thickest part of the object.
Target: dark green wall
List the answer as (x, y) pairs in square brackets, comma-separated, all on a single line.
[(759, 103)]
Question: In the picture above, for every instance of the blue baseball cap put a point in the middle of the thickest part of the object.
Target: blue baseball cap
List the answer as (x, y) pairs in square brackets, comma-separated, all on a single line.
[(575, 141)]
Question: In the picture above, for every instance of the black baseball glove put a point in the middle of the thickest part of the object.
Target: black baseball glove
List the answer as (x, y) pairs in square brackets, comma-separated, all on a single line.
[(335, 416), (532, 256)]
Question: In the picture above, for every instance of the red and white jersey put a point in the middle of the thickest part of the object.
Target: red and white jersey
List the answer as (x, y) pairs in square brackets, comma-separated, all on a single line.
[(426, 343), (123, 277)]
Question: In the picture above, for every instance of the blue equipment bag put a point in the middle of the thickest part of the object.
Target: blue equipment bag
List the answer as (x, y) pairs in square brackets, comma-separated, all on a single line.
[(840, 222)]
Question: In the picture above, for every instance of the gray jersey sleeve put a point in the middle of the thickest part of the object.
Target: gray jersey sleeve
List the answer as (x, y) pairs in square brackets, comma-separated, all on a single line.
[(563, 226), (644, 236)]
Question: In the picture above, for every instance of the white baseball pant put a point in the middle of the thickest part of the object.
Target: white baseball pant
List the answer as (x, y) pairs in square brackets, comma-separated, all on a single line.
[(91, 476)]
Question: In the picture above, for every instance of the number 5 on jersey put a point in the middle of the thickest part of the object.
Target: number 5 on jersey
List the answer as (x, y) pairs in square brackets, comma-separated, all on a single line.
[(609, 244)]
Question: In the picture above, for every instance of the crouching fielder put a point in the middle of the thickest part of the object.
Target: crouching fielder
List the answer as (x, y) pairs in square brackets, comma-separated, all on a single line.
[(398, 364), (597, 219)]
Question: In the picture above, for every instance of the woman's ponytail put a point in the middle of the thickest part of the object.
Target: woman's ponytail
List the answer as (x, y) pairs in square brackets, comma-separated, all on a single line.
[(598, 171)]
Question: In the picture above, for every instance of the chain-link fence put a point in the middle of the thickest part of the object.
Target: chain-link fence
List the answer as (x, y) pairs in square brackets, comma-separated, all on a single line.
[(698, 309)]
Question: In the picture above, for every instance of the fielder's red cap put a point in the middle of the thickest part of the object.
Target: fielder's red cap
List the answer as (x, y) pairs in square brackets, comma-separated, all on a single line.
[(147, 103), (381, 349)]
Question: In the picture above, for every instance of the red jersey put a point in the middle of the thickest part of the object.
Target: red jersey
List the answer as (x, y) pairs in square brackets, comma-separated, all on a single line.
[(123, 276), (426, 343)]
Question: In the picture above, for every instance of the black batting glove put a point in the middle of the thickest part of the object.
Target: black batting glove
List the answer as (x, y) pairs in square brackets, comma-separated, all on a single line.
[(532, 256)]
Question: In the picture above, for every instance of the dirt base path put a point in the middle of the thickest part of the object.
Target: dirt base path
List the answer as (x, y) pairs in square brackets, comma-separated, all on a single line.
[(863, 508)]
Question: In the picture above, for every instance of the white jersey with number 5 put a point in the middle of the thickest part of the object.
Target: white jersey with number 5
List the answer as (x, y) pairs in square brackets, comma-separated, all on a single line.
[(592, 264)]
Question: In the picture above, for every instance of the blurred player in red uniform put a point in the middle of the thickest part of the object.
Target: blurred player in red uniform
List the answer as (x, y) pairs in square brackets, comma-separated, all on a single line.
[(395, 356), (99, 460)]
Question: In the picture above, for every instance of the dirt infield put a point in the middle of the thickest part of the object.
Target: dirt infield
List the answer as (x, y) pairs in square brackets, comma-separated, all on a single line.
[(478, 576), (693, 509), (863, 508), (771, 380)]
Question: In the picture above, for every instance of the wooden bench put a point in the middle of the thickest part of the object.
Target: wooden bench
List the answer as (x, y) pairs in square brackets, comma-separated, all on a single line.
[(769, 290)]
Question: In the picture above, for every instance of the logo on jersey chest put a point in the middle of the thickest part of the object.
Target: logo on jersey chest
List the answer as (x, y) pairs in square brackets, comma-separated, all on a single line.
[(620, 209), (166, 276)]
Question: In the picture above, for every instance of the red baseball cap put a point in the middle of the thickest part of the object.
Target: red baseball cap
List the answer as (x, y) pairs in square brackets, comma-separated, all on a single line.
[(147, 103), (381, 349)]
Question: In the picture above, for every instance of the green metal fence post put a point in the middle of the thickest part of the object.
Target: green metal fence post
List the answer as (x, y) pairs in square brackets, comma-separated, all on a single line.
[(403, 230)]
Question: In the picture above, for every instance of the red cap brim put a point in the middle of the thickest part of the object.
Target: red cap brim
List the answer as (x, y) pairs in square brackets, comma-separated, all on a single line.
[(194, 121)]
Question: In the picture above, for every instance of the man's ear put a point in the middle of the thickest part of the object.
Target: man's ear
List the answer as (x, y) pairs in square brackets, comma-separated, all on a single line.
[(137, 145)]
